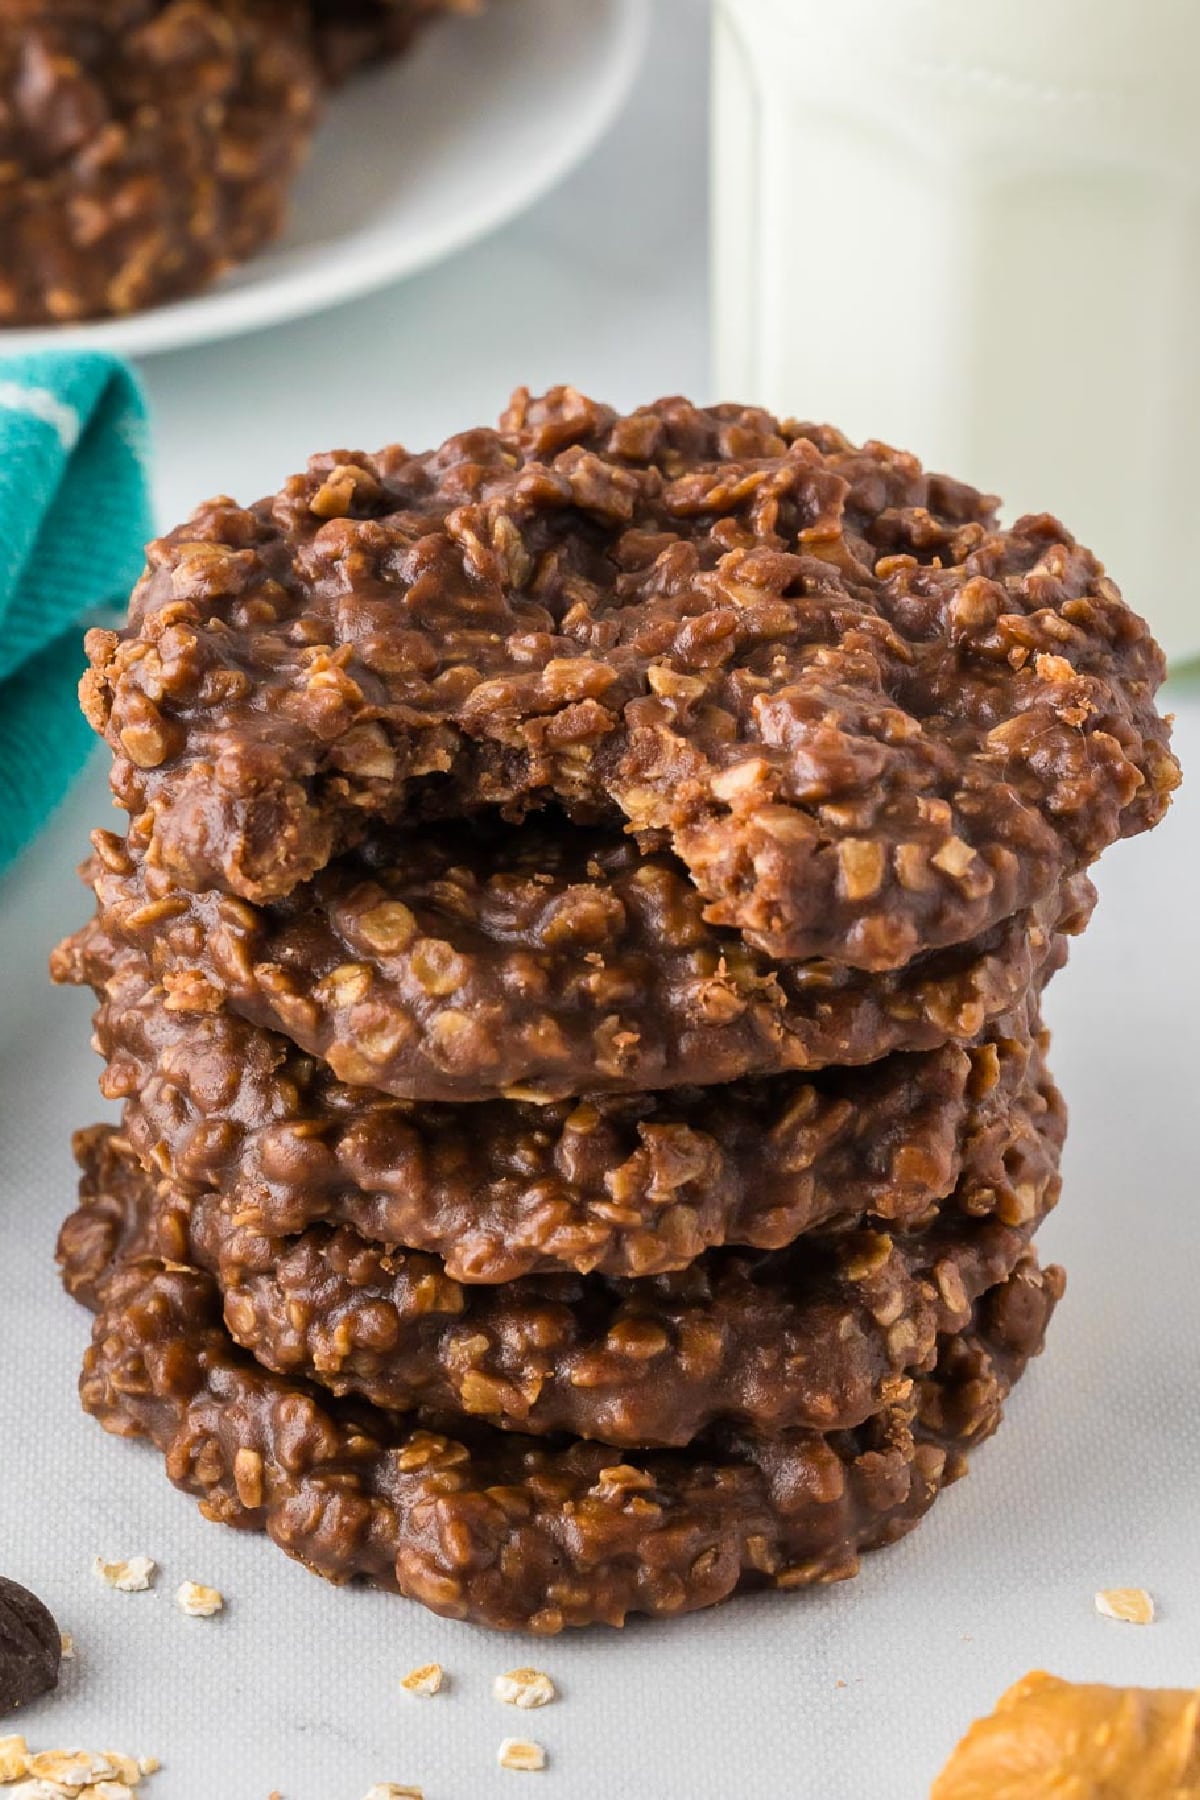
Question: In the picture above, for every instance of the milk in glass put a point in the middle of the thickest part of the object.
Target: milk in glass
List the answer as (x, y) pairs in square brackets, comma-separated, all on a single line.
[(972, 227)]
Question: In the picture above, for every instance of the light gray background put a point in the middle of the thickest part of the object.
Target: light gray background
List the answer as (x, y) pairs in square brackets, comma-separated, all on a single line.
[(1093, 1480)]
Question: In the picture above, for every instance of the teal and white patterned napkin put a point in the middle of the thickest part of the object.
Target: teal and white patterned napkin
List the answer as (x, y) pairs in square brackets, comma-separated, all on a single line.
[(75, 513)]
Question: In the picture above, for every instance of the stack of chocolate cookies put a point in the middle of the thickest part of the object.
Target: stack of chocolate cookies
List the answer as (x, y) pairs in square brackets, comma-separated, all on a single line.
[(572, 978)]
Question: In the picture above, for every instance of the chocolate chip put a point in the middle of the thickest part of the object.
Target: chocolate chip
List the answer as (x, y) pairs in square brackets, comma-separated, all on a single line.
[(30, 1646)]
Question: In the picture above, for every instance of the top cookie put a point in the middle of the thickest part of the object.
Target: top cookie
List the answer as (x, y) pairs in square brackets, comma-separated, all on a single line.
[(868, 720)]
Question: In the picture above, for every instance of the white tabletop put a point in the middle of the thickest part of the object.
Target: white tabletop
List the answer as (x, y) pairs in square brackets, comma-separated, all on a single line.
[(859, 1690)]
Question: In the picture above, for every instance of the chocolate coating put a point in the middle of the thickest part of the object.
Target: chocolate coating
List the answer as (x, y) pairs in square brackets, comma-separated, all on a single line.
[(869, 721), (459, 966), (815, 1335), (504, 1530), (628, 1185)]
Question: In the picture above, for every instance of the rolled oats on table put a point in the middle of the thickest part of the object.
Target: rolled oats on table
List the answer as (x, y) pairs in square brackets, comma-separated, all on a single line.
[(1131, 1606), (70, 1774), (14, 1759), (424, 1682), (198, 1601), (74, 1768), (520, 1753), (526, 1688), (129, 1575)]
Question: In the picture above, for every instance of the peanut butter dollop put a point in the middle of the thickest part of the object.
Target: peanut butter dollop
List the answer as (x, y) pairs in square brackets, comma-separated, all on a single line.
[(1061, 1740)]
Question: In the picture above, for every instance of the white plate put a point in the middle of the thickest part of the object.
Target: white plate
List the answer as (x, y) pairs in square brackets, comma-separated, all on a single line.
[(414, 161)]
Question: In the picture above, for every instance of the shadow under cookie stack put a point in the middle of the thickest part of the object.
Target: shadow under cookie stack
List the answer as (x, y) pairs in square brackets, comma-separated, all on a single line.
[(572, 980)]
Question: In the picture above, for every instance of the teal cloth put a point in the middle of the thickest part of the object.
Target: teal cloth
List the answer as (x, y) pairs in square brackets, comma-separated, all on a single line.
[(75, 513)]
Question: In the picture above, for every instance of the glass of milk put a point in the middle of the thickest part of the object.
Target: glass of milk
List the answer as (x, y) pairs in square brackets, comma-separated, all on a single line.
[(972, 227)]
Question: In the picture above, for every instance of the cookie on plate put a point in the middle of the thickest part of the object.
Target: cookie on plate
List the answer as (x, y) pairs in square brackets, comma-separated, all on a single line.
[(146, 147)]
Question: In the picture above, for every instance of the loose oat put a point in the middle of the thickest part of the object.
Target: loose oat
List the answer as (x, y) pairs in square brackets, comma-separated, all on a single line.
[(424, 1681), (66, 1646), (198, 1601), (14, 1758), (525, 1688), (133, 1575), (127, 1767), (73, 1774), (73, 1768), (393, 1790), (1132, 1606), (520, 1753)]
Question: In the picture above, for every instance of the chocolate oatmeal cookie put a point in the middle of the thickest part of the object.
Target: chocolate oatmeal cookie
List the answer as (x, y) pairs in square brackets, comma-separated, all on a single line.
[(497, 1527), (815, 1335), (868, 720), (145, 146), (571, 978), (631, 1185), (529, 963)]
